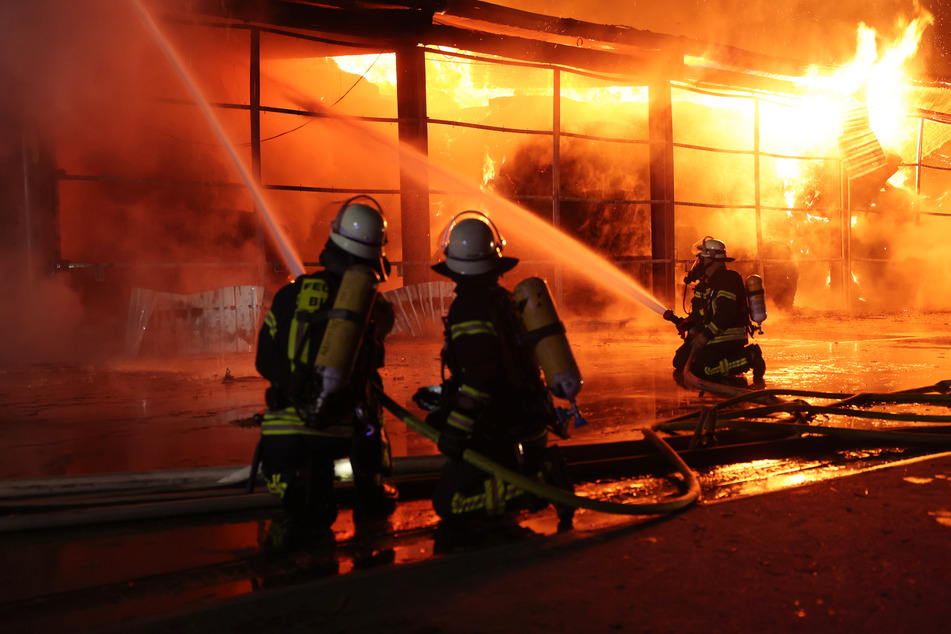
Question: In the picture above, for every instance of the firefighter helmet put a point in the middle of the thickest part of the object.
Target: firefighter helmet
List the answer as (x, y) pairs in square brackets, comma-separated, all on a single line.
[(712, 249), (360, 228), (473, 245)]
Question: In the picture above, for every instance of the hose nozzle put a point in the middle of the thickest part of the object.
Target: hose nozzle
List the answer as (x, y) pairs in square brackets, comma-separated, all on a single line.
[(565, 416)]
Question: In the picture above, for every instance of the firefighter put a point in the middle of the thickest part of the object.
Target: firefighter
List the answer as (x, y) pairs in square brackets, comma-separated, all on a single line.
[(300, 441), (494, 400), (717, 327)]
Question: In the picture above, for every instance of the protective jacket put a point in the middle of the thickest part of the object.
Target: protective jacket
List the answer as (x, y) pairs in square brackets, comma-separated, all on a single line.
[(495, 389), (288, 343), (724, 315), (494, 401)]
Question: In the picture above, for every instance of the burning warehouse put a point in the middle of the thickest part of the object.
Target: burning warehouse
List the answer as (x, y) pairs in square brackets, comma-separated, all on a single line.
[(169, 166), (191, 155)]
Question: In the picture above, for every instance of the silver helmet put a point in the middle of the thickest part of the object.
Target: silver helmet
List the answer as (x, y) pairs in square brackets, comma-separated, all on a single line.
[(473, 246), (712, 249), (360, 228)]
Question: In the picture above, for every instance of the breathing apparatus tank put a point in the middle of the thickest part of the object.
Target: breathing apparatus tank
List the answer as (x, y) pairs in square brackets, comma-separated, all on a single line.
[(545, 332), (338, 349), (756, 296)]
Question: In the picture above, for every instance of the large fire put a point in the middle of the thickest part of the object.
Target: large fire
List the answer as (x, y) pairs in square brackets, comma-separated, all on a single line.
[(795, 134), (466, 86), (874, 77)]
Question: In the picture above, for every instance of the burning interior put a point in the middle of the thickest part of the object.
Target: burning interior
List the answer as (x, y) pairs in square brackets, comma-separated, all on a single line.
[(168, 165)]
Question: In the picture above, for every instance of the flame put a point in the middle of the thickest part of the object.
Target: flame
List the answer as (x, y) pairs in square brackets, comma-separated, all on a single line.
[(378, 69), (467, 82), (584, 90), (811, 126), (790, 173), (488, 172), (802, 127), (887, 91), (460, 80), (898, 179), (876, 76), (455, 78), (858, 286)]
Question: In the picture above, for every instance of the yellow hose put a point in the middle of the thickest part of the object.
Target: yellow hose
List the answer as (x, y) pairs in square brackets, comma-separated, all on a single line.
[(558, 496)]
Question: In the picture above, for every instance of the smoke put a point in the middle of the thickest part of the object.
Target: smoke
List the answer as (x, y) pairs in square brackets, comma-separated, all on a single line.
[(615, 230), (129, 187)]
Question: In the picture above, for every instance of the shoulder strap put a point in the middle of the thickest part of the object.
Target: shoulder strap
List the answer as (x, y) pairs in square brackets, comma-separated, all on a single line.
[(315, 297)]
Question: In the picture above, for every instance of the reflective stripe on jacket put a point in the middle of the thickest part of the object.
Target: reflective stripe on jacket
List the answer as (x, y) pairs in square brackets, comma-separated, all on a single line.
[(286, 422)]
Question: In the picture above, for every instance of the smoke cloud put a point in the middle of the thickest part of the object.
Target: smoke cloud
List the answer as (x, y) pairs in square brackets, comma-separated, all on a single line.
[(111, 179)]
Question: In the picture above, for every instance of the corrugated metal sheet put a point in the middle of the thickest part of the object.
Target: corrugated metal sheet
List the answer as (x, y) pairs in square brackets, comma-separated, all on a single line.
[(224, 320), (860, 149)]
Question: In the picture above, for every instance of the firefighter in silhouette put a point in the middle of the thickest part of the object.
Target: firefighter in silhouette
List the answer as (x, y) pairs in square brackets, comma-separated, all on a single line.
[(494, 400), (317, 414), (717, 327)]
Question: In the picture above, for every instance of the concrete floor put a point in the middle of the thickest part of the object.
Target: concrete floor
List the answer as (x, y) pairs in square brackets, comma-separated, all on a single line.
[(159, 414)]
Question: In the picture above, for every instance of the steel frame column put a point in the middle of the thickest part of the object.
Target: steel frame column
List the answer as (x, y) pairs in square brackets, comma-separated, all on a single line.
[(27, 210), (254, 100), (414, 187), (556, 173), (255, 103), (841, 280), (38, 190), (757, 191), (661, 140)]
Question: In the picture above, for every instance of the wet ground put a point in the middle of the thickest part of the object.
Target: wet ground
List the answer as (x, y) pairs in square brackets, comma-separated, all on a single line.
[(62, 423)]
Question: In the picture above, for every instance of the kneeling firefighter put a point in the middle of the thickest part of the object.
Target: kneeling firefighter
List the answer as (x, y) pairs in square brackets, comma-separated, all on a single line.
[(494, 400), (321, 348), (720, 319)]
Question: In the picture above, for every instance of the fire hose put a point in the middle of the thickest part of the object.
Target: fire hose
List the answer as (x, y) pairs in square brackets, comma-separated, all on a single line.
[(710, 417), (559, 496)]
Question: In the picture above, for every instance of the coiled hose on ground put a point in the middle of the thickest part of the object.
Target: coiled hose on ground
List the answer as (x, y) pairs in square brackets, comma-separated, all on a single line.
[(708, 419), (705, 421), (558, 496)]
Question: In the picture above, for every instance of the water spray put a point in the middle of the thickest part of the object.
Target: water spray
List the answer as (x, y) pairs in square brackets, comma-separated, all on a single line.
[(582, 259), (293, 262)]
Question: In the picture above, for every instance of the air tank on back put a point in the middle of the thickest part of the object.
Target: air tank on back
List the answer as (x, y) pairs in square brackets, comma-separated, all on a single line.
[(756, 296), (348, 319), (545, 330)]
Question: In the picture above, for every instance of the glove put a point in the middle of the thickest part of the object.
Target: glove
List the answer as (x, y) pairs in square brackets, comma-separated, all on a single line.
[(698, 341), (684, 326), (428, 398), (452, 442)]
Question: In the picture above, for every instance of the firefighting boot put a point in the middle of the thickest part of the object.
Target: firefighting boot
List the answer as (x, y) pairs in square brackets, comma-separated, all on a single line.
[(757, 364), (556, 474), (287, 534), (374, 501)]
